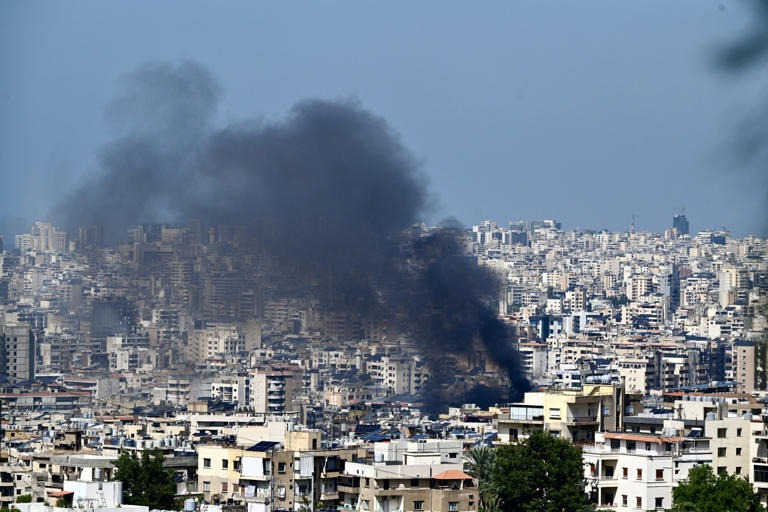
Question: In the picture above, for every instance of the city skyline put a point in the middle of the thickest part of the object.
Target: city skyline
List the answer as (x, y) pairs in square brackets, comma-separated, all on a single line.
[(644, 125)]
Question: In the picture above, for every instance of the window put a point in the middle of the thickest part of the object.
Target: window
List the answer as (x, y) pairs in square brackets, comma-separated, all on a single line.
[(224, 487), (638, 502), (418, 505), (624, 500), (224, 464), (721, 452), (624, 472), (631, 446), (206, 463), (738, 470), (453, 505), (206, 486), (236, 465), (554, 413), (615, 444), (659, 502), (738, 432), (738, 451), (639, 474), (721, 470), (648, 446), (281, 467), (722, 432), (414, 482), (659, 474)]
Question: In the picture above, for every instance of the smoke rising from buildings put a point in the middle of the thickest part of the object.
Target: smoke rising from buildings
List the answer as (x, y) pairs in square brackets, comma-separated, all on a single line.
[(328, 191)]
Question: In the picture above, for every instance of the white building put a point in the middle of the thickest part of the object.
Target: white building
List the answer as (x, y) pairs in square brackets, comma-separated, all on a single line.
[(631, 471)]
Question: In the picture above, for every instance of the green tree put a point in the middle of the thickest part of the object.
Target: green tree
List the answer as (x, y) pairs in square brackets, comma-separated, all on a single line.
[(145, 480), (541, 474), (478, 462), (707, 492)]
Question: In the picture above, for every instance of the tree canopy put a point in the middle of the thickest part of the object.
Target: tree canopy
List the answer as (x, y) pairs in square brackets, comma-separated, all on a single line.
[(541, 474), (706, 492), (145, 480)]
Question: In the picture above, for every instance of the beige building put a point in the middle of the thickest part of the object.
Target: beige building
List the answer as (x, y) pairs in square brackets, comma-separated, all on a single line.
[(272, 475), (573, 414), (634, 374), (409, 476), (743, 366), (273, 388)]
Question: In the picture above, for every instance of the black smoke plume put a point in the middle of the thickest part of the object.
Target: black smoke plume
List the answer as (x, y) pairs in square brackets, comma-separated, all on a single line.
[(328, 191)]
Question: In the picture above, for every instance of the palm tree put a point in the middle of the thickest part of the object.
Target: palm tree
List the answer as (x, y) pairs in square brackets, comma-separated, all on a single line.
[(478, 463)]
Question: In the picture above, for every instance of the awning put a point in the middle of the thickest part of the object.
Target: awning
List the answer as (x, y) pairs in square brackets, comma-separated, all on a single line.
[(59, 494)]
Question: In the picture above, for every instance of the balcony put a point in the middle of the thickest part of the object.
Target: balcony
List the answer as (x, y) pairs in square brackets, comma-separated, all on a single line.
[(582, 420), (261, 496), (348, 484)]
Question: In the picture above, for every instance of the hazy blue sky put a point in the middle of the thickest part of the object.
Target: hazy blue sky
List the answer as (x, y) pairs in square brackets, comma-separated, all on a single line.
[(587, 112)]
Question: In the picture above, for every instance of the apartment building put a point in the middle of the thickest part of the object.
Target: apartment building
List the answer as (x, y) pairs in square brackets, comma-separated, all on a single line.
[(408, 477), (630, 471), (273, 388), (270, 475), (573, 414)]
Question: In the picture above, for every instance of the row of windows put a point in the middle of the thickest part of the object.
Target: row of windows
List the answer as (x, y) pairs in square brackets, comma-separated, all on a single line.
[(224, 464), (625, 473), (658, 502)]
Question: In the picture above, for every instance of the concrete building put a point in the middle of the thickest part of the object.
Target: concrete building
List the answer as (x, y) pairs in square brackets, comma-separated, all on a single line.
[(273, 388), (743, 366), (17, 353), (573, 414), (629, 471), (409, 476)]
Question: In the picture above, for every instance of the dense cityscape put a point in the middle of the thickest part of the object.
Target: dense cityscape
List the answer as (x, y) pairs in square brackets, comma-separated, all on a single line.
[(267, 383)]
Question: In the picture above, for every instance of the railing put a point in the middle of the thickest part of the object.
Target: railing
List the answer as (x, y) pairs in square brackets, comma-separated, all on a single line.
[(582, 419)]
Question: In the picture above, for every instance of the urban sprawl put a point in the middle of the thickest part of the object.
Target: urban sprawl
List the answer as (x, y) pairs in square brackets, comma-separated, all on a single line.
[(265, 391)]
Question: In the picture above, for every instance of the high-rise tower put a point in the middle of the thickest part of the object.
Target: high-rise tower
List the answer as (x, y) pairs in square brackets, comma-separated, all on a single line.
[(17, 353), (680, 223)]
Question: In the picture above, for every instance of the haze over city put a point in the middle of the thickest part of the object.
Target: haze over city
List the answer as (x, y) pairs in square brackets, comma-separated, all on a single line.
[(591, 114), (314, 257)]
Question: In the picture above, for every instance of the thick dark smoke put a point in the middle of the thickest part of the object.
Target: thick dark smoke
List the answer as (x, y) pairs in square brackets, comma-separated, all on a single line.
[(452, 316), (328, 191), (163, 115)]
